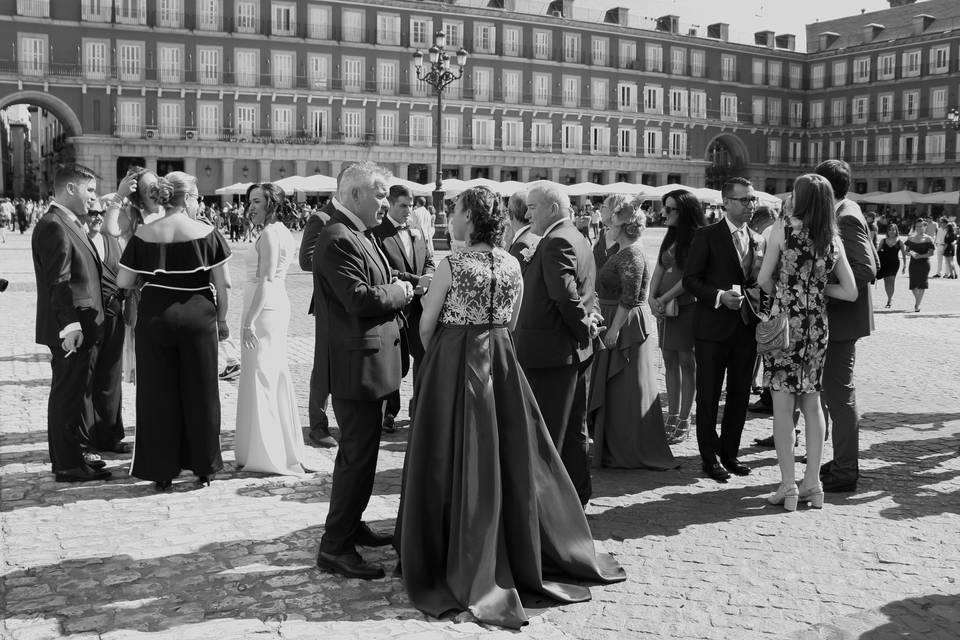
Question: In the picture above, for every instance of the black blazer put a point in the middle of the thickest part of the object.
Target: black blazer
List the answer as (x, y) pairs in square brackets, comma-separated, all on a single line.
[(553, 328), (308, 242), (356, 310), (521, 243), (713, 265), (68, 279), (852, 320)]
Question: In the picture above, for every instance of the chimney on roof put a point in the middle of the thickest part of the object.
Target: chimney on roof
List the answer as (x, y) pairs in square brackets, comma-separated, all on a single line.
[(921, 22), (826, 40), (617, 15), (871, 31), (900, 3), (786, 41), (669, 24), (560, 9), (764, 38), (719, 30)]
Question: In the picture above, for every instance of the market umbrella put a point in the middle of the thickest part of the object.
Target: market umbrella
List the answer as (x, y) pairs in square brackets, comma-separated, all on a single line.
[(234, 189), (894, 198), (939, 197)]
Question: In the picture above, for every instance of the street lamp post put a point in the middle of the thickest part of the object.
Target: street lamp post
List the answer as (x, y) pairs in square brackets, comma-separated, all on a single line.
[(439, 76)]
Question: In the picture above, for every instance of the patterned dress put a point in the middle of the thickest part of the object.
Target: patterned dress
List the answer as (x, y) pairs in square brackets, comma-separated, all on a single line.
[(803, 278)]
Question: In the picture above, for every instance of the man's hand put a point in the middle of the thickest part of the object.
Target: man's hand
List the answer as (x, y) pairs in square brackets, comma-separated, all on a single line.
[(72, 341), (127, 186), (731, 299), (596, 324), (407, 289), (424, 283)]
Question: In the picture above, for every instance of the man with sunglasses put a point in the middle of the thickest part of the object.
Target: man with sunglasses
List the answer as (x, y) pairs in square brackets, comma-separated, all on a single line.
[(721, 271)]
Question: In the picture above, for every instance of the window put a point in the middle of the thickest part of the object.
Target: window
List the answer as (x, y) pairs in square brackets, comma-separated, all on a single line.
[(484, 37), (387, 128), (816, 76), (572, 138), (678, 144), (653, 139), (600, 139), (911, 105), (208, 15), (388, 77), (452, 127), (838, 111), (628, 54), (698, 104), (839, 73), (131, 11), (940, 60), (511, 86), (421, 127), (571, 47), (652, 99), (728, 107), (170, 121), (483, 84), (388, 29), (541, 44), (318, 71), (884, 149), (678, 61), (885, 107), (774, 114), (248, 120), (170, 14), (246, 67), (352, 29), (598, 93), (208, 65), (861, 70), (728, 68), (774, 151), (774, 73), (816, 152), (282, 67), (170, 58), (95, 61), (796, 113), (571, 91), (909, 144), (654, 57), (283, 18), (541, 88), (351, 125), (130, 61), (352, 74), (837, 148), (129, 118), (861, 109), (938, 103), (795, 151), (421, 32), (626, 141), (935, 147), (759, 70), (697, 67), (796, 76), (318, 123), (541, 136), (679, 102), (600, 51), (759, 102), (911, 63), (860, 150), (886, 66), (627, 96), (483, 133), (511, 41), (283, 121), (209, 120), (318, 22), (454, 33), (246, 19), (96, 10), (512, 135)]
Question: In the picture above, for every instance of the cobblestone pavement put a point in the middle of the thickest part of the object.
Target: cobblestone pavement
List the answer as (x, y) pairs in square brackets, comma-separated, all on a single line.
[(235, 560)]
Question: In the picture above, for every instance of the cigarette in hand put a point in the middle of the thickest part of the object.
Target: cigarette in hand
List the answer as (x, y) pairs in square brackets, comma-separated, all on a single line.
[(70, 353)]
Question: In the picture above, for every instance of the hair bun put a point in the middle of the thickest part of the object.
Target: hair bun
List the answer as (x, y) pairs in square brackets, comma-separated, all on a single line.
[(162, 191)]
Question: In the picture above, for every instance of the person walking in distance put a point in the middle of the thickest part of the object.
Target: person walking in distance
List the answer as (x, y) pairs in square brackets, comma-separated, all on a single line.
[(848, 322), (721, 271)]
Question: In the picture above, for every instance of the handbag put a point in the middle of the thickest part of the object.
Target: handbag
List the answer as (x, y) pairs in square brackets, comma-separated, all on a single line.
[(773, 334), (671, 309)]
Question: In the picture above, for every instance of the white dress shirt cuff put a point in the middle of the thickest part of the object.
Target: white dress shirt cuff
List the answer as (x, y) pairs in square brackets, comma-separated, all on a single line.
[(73, 326), (716, 303)]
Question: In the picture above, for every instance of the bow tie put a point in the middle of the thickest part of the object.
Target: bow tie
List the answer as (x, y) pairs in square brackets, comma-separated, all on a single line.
[(403, 226)]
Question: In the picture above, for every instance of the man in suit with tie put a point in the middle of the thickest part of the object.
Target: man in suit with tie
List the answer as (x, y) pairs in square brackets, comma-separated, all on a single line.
[(357, 308), (558, 321), (69, 320), (721, 271), (411, 259), (847, 322), (317, 403)]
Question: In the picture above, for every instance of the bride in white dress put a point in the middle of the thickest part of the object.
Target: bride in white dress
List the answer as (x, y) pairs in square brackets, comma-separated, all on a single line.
[(268, 437)]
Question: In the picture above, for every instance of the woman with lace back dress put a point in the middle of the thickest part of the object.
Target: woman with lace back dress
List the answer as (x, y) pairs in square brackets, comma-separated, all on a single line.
[(268, 437), (805, 248), (487, 509)]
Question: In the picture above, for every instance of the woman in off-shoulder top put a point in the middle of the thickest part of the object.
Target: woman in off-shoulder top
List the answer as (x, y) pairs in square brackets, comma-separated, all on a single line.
[(181, 262)]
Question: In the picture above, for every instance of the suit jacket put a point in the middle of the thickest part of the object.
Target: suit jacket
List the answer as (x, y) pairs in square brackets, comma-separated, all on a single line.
[(553, 328), (356, 309), (68, 279), (308, 242), (713, 265), (520, 243), (852, 320)]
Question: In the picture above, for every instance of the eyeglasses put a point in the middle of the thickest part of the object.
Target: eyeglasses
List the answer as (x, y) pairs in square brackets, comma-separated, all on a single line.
[(744, 201)]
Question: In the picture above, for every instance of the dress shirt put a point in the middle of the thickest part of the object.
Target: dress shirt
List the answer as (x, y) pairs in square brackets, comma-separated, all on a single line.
[(734, 230), (403, 230)]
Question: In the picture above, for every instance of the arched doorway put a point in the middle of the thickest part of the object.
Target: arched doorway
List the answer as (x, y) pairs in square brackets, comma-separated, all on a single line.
[(727, 156)]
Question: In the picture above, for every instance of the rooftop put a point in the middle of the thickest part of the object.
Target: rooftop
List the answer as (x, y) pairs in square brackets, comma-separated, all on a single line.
[(933, 16)]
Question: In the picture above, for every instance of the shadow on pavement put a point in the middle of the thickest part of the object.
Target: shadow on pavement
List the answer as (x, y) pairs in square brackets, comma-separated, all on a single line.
[(882, 421), (931, 617)]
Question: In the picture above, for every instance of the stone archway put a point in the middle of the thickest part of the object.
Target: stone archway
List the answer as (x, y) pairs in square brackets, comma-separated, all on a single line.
[(727, 156), (63, 111)]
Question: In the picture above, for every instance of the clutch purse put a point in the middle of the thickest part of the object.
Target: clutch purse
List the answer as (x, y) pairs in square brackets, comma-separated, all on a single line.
[(671, 309), (773, 334)]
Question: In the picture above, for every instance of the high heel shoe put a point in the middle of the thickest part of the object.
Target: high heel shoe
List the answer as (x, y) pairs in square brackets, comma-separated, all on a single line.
[(813, 496), (204, 480), (787, 495), (162, 485), (680, 433), (670, 425)]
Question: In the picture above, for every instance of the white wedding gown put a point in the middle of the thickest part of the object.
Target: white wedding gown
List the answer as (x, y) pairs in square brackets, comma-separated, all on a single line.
[(268, 437)]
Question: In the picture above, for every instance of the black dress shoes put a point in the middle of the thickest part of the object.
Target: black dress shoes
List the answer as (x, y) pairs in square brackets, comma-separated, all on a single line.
[(367, 537), (389, 423), (349, 565), (715, 471), (82, 473), (836, 485), (322, 438), (735, 467), (764, 442), (122, 447)]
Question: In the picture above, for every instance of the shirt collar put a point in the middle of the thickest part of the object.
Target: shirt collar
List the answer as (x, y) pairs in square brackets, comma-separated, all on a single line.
[(350, 216), (734, 228), (394, 222)]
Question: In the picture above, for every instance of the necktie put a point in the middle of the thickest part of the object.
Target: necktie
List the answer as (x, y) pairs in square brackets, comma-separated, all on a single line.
[(741, 244)]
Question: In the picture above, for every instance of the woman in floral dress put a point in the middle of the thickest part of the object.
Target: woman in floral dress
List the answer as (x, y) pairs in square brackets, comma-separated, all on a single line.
[(805, 249)]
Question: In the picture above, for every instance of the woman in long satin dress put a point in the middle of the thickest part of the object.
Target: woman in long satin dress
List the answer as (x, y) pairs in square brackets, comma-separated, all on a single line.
[(268, 437), (487, 510)]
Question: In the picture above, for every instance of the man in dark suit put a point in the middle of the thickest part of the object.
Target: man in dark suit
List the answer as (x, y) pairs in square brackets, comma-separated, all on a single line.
[(69, 320), (357, 308), (721, 271), (558, 321), (411, 260), (317, 404), (848, 322)]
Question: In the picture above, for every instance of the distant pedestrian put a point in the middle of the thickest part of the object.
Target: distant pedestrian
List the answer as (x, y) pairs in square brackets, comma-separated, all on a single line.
[(950, 250), (890, 250), (938, 242), (921, 248)]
